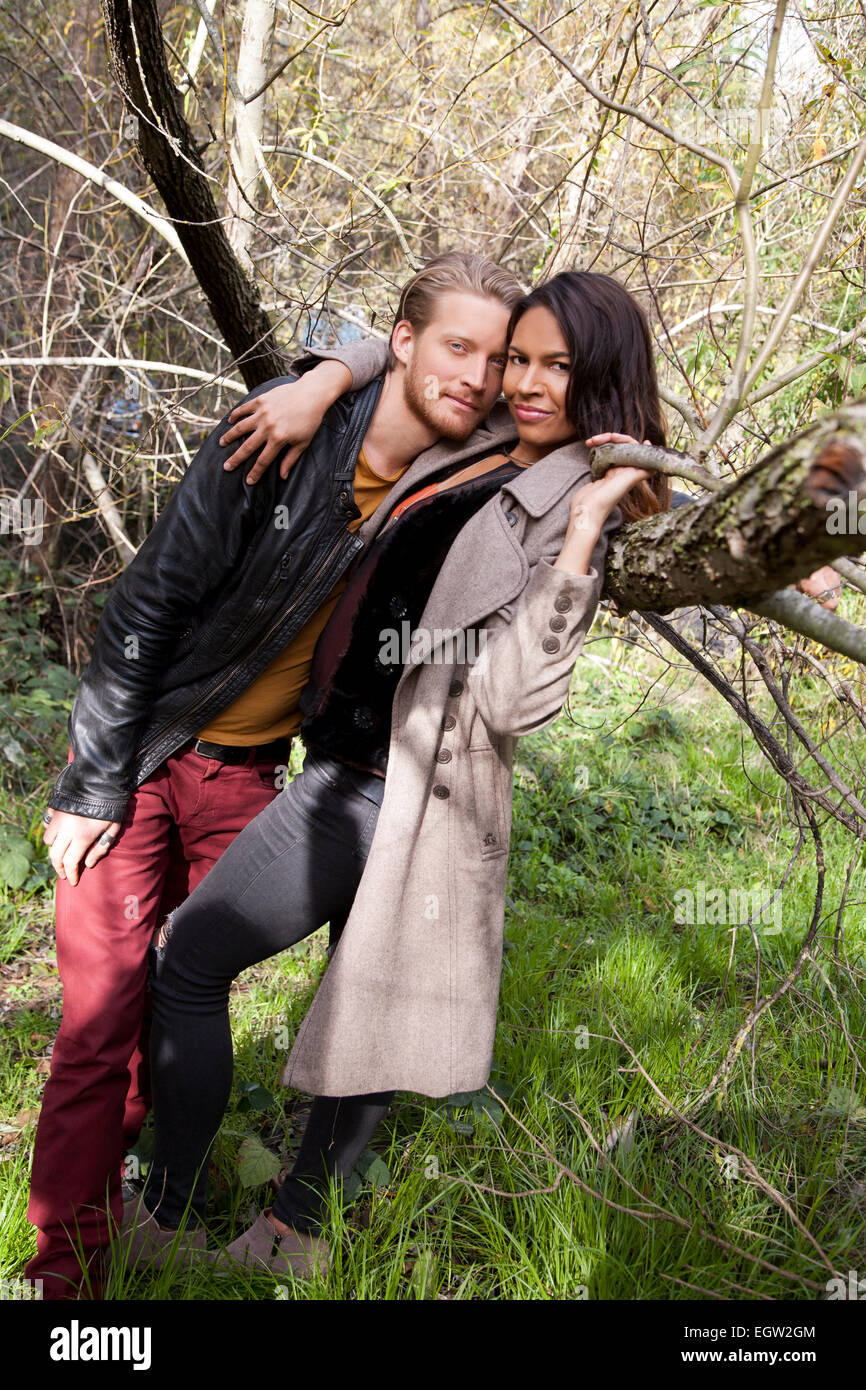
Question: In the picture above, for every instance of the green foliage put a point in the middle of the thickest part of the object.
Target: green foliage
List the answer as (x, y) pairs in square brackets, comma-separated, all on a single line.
[(373, 1169), (845, 1105), (36, 692), (560, 824), (421, 1215), (256, 1164), (16, 857), (465, 1111), (253, 1097), (841, 380)]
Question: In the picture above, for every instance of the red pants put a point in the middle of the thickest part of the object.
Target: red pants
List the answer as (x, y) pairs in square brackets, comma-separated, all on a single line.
[(177, 825)]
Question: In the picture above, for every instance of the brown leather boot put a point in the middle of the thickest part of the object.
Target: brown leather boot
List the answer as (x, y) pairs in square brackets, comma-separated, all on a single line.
[(264, 1247), (144, 1244)]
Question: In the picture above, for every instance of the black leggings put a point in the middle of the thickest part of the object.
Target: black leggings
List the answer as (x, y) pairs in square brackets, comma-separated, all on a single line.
[(295, 867), (337, 1133)]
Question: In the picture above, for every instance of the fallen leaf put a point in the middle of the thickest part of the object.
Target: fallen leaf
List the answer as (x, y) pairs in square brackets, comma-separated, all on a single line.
[(24, 1118)]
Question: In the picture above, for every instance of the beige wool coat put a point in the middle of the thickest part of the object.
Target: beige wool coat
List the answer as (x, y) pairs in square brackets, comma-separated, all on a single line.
[(409, 999)]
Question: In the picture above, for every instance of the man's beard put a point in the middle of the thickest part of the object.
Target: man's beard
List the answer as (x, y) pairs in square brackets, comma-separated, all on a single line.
[(441, 419)]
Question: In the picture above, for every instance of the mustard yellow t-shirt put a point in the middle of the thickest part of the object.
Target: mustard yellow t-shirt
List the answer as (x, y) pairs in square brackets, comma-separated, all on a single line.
[(268, 709)]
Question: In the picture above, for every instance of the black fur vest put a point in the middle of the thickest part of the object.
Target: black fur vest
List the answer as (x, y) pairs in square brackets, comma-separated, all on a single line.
[(360, 654)]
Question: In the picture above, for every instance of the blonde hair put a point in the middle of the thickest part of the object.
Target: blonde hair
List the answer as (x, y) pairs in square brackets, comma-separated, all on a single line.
[(453, 270)]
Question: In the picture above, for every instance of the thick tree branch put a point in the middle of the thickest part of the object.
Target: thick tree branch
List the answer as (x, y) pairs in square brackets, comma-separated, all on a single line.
[(749, 536)]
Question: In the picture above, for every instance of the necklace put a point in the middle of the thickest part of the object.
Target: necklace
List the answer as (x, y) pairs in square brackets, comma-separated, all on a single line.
[(521, 463)]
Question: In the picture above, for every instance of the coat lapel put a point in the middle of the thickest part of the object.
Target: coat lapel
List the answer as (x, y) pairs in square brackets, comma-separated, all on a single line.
[(540, 487)]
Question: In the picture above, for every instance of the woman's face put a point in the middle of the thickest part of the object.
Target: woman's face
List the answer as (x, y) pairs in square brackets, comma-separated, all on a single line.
[(536, 381)]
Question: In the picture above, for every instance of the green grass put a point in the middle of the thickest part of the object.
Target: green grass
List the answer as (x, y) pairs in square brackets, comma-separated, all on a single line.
[(610, 1008)]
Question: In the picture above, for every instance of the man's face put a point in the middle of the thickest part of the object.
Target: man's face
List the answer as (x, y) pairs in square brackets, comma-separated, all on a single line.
[(454, 366)]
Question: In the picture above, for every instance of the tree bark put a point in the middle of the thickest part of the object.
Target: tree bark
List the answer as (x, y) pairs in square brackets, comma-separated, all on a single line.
[(785, 517), (168, 151)]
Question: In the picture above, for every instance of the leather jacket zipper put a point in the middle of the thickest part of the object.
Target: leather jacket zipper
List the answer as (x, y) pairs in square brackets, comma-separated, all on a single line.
[(279, 578), (160, 734), (261, 602)]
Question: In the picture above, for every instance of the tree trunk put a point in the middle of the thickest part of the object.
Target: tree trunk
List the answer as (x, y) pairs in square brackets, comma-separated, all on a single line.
[(168, 151), (257, 37)]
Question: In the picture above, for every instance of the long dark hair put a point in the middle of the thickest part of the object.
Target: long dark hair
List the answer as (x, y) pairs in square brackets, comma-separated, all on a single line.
[(612, 382)]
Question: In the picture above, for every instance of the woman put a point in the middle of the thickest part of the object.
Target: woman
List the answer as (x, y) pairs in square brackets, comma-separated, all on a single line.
[(409, 1000)]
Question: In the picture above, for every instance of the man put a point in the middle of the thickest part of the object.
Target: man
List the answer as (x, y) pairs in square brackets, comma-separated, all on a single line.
[(189, 705)]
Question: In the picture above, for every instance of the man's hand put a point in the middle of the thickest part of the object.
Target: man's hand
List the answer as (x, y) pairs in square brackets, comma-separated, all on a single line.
[(73, 838), (288, 414), (825, 585)]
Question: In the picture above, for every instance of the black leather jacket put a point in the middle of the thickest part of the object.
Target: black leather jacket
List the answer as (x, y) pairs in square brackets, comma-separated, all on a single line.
[(226, 578)]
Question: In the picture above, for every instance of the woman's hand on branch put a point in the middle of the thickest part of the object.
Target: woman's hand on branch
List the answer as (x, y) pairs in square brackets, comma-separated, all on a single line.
[(662, 460), (596, 440), (289, 414), (590, 507), (603, 494)]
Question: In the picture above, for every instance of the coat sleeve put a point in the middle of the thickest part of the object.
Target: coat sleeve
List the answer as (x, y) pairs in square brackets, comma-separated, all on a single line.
[(366, 360), (521, 679)]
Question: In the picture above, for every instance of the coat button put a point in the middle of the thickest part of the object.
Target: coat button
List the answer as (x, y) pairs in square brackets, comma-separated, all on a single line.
[(448, 723), (398, 606), (364, 718), (441, 792), (443, 756), (511, 518), (557, 624), (562, 604), (551, 644), (455, 688)]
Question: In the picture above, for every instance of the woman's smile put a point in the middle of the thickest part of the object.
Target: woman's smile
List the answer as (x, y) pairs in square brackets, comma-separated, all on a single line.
[(530, 413)]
